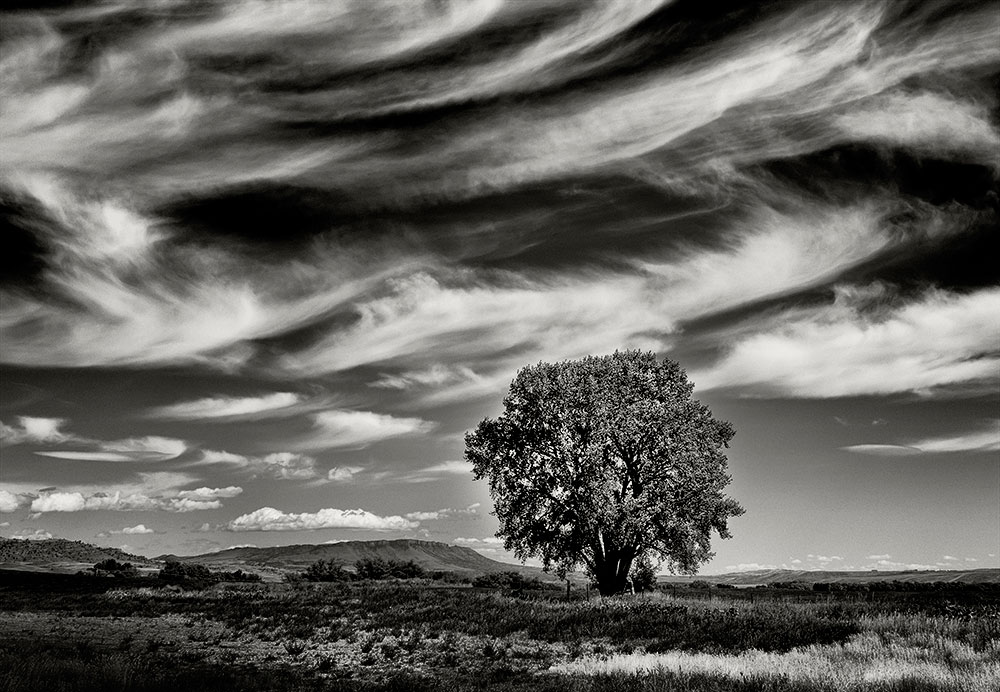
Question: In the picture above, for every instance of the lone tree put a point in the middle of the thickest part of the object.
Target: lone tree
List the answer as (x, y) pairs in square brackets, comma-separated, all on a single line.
[(606, 461)]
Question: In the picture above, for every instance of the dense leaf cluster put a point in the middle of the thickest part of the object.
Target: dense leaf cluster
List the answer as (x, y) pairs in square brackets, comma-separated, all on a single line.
[(604, 461)]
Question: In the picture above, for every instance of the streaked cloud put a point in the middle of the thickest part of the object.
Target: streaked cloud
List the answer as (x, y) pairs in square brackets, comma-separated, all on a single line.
[(435, 472), (271, 519), (150, 448), (281, 465), (978, 441), (230, 408), (938, 340), (353, 429), (445, 513), (491, 541)]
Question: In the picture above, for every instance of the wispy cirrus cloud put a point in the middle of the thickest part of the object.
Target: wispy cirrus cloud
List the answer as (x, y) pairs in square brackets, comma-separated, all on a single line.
[(271, 519), (445, 513), (435, 472), (150, 448), (273, 405), (279, 465), (354, 429), (985, 440), (937, 340), (137, 530)]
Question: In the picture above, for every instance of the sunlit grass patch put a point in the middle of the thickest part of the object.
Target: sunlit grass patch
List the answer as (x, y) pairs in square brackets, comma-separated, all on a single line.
[(868, 661)]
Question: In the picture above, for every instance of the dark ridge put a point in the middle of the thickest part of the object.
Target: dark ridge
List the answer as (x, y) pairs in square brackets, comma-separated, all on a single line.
[(60, 550)]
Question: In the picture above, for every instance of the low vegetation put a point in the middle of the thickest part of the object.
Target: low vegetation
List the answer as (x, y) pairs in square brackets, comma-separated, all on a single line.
[(64, 632)]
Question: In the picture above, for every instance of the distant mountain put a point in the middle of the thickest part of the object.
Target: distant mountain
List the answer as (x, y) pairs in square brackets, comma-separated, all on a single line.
[(431, 555), (813, 576), (59, 550)]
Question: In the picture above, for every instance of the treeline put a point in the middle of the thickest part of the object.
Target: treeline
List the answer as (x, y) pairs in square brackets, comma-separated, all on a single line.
[(173, 572), (366, 568), (185, 574), (382, 569), (848, 587)]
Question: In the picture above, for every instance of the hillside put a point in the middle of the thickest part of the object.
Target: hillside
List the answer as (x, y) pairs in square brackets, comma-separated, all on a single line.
[(55, 551), (814, 576), (431, 555)]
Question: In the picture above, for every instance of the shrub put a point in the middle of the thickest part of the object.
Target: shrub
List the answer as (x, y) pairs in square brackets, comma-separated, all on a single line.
[(509, 579), (377, 568), (643, 575), (326, 570), (116, 568)]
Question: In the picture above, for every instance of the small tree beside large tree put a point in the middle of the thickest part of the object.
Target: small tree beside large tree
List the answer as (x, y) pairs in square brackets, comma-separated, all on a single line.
[(606, 461)]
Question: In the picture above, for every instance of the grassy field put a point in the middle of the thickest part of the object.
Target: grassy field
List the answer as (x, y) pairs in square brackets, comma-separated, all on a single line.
[(64, 632)]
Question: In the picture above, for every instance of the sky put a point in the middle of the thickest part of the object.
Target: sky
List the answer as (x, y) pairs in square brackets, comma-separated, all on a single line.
[(265, 263)]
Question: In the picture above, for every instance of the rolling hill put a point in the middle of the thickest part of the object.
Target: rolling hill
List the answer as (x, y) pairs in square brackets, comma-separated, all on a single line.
[(60, 554), (431, 555)]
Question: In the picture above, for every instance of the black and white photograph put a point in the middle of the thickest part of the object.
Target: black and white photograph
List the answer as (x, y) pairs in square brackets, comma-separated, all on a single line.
[(500, 345)]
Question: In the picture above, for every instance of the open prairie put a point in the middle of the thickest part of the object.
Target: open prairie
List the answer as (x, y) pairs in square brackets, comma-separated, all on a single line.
[(78, 632)]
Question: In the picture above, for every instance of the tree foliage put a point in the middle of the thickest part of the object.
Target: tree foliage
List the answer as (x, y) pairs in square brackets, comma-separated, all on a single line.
[(602, 461)]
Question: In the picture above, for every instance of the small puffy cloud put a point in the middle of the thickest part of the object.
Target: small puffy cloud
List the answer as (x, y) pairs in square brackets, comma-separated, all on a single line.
[(341, 428), (971, 559), (32, 429), (59, 502), (343, 474), (138, 529), (136, 500), (9, 502), (232, 408), (280, 465), (32, 535), (271, 519), (886, 556), (950, 558)]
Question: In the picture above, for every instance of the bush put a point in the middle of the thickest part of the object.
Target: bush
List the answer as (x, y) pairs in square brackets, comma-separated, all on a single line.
[(643, 575), (326, 570), (377, 568), (116, 568)]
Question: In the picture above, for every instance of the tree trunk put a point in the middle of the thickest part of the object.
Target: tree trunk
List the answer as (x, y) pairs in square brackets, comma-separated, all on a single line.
[(612, 572)]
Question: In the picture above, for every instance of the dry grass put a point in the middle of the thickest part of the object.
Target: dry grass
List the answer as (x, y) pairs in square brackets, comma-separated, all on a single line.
[(867, 661)]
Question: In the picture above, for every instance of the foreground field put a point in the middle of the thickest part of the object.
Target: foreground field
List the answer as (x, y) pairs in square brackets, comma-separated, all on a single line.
[(83, 633)]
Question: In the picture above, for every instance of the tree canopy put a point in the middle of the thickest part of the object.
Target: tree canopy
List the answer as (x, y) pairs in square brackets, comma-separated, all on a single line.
[(603, 462)]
